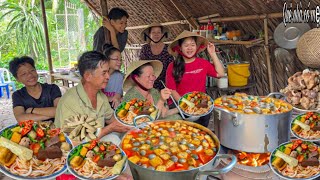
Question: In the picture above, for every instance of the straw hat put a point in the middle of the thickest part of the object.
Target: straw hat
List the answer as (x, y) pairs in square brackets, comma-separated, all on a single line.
[(128, 82), (308, 48), (146, 30), (200, 41)]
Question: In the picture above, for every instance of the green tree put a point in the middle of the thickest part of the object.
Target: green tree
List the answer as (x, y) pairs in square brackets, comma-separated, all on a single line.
[(25, 22)]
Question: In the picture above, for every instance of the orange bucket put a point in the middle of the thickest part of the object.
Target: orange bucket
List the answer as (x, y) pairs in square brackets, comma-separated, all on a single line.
[(238, 74)]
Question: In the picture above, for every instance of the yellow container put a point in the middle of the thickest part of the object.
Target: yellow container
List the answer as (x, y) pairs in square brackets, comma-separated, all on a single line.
[(238, 74)]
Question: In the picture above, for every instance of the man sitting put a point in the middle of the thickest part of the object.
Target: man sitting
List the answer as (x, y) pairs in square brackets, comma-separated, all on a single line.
[(87, 97), (35, 100)]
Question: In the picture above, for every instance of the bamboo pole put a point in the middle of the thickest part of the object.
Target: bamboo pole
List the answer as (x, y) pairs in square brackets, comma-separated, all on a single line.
[(243, 18), (266, 48), (208, 17), (163, 24), (46, 34)]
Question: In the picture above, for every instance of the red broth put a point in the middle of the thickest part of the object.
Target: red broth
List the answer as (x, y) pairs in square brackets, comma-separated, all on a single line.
[(169, 146)]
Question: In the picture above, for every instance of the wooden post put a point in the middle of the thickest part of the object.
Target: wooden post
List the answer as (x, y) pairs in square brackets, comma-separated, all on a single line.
[(185, 14), (266, 48), (46, 34), (104, 8)]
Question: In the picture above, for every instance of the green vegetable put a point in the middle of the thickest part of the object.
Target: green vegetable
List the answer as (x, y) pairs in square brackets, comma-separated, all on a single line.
[(7, 133), (282, 148), (75, 152), (42, 145), (31, 139), (288, 159)]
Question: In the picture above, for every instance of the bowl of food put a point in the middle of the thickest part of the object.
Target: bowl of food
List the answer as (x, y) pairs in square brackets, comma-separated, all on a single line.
[(306, 126), (196, 104), (135, 112), (29, 150), (296, 159), (96, 160), (82, 128)]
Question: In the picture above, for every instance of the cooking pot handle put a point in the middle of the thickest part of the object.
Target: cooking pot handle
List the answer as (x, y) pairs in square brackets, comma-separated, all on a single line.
[(276, 94), (235, 120), (142, 124), (225, 169)]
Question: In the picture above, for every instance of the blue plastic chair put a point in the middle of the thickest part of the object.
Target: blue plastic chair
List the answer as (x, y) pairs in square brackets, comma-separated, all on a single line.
[(6, 86), (5, 78)]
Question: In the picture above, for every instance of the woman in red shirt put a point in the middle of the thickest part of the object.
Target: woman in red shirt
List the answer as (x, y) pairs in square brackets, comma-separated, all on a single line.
[(187, 72)]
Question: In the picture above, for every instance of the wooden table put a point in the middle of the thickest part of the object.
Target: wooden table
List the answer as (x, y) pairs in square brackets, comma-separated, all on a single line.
[(67, 79)]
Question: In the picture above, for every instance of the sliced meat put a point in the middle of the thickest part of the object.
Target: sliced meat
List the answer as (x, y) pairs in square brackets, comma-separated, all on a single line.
[(203, 104), (54, 152), (49, 153), (314, 154), (316, 128), (42, 154), (106, 162), (310, 162), (110, 154), (53, 141)]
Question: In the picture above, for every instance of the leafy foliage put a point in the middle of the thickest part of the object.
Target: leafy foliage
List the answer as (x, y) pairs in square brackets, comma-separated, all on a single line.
[(26, 24)]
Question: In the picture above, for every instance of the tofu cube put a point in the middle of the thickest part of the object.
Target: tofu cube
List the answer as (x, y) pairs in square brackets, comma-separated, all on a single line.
[(134, 159), (165, 156), (156, 161), (158, 151), (161, 168)]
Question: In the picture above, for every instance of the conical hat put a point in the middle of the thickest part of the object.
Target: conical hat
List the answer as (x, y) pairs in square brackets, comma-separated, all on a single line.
[(200, 41), (128, 82), (146, 30)]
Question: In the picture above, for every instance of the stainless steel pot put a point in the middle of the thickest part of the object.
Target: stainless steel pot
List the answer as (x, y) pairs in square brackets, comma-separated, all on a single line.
[(141, 173), (258, 133)]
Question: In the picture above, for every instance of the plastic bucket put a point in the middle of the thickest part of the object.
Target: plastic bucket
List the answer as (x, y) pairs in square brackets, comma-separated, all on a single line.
[(238, 74)]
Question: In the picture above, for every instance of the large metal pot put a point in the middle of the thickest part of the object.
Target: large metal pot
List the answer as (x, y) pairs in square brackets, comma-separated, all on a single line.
[(258, 133), (141, 173)]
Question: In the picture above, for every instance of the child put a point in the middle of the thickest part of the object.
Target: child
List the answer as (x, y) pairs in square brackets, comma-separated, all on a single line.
[(187, 72), (113, 31)]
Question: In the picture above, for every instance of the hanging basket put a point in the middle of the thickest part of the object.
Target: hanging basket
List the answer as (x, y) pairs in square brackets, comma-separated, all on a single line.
[(308, 48)]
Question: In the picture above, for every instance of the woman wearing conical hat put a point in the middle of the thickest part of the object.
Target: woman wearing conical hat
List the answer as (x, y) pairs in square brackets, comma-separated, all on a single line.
[(139, 81), (188, 72), (156, 49)]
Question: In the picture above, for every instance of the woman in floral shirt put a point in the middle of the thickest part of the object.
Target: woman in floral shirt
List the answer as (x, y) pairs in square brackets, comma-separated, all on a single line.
[(156, 49)]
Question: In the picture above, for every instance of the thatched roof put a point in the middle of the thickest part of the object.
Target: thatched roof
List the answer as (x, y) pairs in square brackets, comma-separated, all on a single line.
[(144, 12)]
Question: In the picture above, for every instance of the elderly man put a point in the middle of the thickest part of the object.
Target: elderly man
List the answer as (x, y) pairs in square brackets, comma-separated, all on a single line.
[(87, 98)]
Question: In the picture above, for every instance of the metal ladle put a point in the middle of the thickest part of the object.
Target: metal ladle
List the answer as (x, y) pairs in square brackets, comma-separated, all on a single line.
[(191, 118)]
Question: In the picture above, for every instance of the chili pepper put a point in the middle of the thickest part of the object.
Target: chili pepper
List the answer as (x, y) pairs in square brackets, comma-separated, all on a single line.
[(102, 148), (304, 146), (40, 132), (96, 158), (25, 130), (93, 144)]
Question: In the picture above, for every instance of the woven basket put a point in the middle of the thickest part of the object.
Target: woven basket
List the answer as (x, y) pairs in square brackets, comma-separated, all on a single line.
[(308, 48)]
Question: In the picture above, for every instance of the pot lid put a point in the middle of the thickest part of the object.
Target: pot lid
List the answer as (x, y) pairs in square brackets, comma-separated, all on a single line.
[(288, 36)]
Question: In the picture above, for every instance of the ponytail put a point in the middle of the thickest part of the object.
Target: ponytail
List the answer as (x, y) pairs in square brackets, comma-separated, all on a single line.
[(178, 69)]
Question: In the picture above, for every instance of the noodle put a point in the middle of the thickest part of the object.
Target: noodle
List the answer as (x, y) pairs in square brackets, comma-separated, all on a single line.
[(36, 168), (300, 171), (91, 170), (196, 111), (309, 134)]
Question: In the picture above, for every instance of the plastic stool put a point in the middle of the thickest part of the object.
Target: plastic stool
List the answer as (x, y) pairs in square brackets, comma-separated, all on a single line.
[(7, 89)]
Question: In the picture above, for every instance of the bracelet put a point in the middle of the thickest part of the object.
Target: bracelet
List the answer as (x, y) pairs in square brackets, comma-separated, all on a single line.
[(32, 110)]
